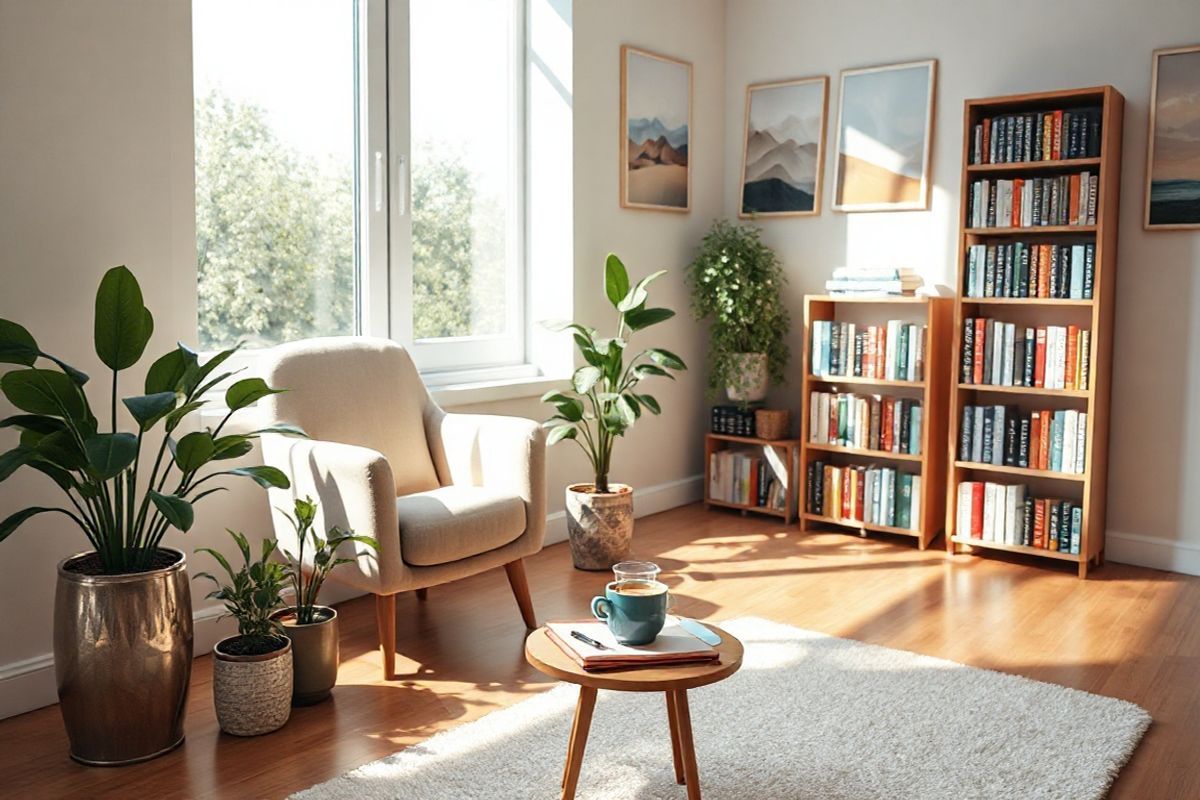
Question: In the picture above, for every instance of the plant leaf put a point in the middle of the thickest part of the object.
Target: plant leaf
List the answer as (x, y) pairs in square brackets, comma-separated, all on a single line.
[(167, 372), (266, 477), (14, 459), (17, 345), (232, 446), (33, 422), (176, 416), (616, 279), (639, 318), (13, 522), (649, 402), (585, 378), (78, 376), (561, 432), (625, 410), (666, 358), (59, 448), (110, 453), (194, 451), (45, 392), (247, 392), (283, 429), (176, 510), (56, 474), (148, 409), (123, 323), (645, 370)]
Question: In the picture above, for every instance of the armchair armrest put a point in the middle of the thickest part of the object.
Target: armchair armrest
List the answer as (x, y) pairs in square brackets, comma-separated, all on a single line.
[(355, 490)]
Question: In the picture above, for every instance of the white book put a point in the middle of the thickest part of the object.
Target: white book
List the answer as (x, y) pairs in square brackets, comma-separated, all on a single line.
[(1052, 357), (869, 489), (1070, 421), (1027, 206), (1076, 282), (998, 415), (1081, 443), (1010, 498), (1006, 364), (889, 366), (814, 417), (914, 515), (996, 338), (912, 353), (989, 512), (1016, 514), (962, 524)]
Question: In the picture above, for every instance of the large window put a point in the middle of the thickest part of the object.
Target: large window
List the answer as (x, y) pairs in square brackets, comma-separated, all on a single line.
[(359, 169)]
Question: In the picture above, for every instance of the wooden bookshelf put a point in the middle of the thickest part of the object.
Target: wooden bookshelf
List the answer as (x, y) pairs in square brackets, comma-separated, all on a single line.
[(937, 314), (787, 449), (1088, 488)]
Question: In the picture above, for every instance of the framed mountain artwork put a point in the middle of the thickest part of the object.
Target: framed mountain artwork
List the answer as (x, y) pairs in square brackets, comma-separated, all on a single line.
[(656, 121), (1173, 147), (783, 148), (885, 130)]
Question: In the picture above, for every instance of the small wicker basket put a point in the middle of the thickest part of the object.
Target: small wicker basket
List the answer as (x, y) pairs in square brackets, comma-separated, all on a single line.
[(772, 423)]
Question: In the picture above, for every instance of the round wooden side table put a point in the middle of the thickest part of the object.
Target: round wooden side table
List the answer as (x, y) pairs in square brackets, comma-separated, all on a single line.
[(673, 681)]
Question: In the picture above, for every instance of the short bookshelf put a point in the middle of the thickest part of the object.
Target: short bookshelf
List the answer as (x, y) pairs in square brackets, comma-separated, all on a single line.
[(761, 479), (1033, 320), (873, 425)]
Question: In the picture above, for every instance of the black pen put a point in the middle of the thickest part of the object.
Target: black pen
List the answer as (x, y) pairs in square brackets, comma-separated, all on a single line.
[(588, 640)]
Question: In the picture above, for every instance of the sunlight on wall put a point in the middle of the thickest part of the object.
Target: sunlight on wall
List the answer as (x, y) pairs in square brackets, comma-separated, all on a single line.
[(923, 241)]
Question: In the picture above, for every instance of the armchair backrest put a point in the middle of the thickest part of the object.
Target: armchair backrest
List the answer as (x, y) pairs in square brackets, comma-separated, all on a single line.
[(360, 391)]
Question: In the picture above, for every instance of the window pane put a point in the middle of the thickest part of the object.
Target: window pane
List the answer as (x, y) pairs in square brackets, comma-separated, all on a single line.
[(464, 167), (275, 178)]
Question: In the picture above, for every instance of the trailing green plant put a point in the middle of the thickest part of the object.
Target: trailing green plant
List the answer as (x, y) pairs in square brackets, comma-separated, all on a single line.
[(324, 557), (253, 594), (123, 501), (736, 282), (604, 402)]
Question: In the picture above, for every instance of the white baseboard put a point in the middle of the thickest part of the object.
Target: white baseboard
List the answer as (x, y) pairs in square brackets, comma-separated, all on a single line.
[(1152, 551), (29, 684)]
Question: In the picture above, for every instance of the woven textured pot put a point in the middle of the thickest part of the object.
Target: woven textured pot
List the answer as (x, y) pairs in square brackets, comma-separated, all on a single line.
[(253, 694), (600, 526), (314, 654), (123, 657)]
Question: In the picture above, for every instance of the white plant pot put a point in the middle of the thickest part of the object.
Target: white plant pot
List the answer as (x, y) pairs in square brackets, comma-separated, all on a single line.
[(600, 526), (752, 386)]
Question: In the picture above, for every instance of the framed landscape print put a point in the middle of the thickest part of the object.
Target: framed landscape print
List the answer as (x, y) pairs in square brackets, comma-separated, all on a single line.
[(885, 130), (1173, 146), (783, 148), (656, 121)]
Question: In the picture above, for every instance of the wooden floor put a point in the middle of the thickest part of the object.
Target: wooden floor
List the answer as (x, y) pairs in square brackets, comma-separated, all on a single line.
[(1125, 632)]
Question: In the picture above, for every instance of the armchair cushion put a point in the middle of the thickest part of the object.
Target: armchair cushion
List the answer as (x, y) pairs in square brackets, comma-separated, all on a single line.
[(455, 522)]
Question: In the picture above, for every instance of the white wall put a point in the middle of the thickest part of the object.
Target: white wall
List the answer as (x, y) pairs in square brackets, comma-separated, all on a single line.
[(96, 170), (986, 49)]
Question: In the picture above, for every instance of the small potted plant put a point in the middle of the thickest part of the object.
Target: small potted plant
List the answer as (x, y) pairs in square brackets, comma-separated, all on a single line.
[(313, 629), (736, 280), (604, 401), (252, 672)]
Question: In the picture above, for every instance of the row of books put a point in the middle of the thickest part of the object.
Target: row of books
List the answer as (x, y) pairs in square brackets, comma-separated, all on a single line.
[(1037, 136), (1019, 269), (895, 351), (1048, 439), (1054, 357), (747, 479), (874, 495), (870, 422), (1008, 514), (862, 281), (733, 421), (1034, 202)]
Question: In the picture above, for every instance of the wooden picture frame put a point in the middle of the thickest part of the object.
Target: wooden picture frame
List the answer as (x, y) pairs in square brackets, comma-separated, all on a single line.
[(783, 130), (1182, 210), (877, 186), (650, 166)]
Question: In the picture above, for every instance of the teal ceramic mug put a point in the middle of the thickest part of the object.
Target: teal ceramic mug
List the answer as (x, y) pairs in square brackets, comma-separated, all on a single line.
[(634, 610)]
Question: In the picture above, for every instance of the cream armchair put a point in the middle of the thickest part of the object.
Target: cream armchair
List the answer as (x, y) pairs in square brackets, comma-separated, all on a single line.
[(445, 495)]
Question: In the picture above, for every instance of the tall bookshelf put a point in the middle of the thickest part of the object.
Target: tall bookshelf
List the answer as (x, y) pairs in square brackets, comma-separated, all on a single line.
[(1095, 314), (936, 313)]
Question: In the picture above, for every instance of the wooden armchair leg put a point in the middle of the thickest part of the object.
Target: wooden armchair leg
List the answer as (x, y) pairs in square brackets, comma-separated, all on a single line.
[(520, 590), (385, 618), (422, 594)]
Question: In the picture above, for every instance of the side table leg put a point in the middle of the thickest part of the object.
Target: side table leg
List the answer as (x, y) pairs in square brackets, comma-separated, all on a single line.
[(579, 735), (673, 721), (686, 747)]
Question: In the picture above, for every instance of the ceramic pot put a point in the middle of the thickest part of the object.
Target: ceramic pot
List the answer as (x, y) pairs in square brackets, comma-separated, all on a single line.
[(253, 694), (599, 525), (314, 654), (751, 385), (123, 658)]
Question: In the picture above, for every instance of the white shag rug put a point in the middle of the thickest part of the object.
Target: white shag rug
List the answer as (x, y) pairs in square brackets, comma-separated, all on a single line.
[(808, 717)]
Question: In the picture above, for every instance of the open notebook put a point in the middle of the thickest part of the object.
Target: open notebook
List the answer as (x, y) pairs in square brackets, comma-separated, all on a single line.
[(674, 645)]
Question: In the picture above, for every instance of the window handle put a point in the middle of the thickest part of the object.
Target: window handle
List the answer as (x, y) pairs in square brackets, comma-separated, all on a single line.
[(379, 178), (401, 186)]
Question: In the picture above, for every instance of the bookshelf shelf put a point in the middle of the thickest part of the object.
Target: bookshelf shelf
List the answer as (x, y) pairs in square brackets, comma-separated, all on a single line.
[(725, 437), (775, 512), (786, 449), (936, 314), (1086, 490)]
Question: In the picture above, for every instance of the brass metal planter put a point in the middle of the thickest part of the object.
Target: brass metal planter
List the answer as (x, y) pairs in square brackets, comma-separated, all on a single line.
[(314, 655), (123, 658)]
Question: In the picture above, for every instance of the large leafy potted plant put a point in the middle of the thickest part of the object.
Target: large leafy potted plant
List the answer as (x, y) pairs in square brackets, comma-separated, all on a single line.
[(736, 282), (313, 628), (603, 403), (122, 610), (252, 671)]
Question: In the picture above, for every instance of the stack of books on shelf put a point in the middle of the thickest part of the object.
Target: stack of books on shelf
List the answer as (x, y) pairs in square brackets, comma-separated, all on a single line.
[(1008, 514), (1037, 136), (733, 421), (867, 282), (874, 495), (1054, 357), (748, 478), (1034, 202), (1054, 440), (894, 352), (869, 422), (1019, 269)]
